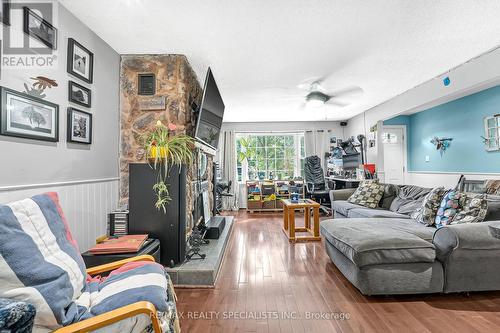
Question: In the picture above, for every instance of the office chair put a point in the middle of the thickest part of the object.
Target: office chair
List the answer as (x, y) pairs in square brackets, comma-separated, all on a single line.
[(316, 187)]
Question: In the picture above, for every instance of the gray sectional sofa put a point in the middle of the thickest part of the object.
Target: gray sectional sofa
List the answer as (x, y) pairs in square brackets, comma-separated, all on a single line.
[(384, 251)]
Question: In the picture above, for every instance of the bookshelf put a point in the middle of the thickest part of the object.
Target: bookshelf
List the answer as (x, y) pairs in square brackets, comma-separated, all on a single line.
[(266, 195)]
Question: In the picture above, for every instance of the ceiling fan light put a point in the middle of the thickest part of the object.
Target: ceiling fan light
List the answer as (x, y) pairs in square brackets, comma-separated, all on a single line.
[(316, 99), (315, 103)]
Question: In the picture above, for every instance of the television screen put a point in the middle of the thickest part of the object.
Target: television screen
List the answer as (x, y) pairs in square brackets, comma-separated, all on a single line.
[(210, 114)]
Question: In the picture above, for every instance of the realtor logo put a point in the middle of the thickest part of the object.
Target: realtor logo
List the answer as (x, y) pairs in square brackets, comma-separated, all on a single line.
[(29, 36)]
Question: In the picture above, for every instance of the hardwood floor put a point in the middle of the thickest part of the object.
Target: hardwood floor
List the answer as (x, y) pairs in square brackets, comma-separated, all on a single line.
[(269, 285)]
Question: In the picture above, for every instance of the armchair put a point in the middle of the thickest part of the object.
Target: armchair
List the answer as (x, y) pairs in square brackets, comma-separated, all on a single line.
[(41, 265), (119, 314)]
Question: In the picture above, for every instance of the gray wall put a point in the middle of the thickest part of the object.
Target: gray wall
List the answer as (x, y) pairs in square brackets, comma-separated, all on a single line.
[(24, 162)]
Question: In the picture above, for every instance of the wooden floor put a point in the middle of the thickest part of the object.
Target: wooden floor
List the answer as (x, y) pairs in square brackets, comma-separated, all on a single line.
[(269, 285)]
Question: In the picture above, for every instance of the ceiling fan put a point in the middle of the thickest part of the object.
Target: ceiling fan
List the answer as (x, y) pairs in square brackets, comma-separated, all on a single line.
[(318, 96)]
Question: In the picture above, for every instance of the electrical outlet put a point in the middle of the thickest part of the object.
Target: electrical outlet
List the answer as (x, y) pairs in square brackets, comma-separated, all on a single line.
[(427, 158)]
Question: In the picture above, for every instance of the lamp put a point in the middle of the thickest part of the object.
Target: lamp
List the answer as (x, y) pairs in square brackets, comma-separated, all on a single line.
[(316, 99)]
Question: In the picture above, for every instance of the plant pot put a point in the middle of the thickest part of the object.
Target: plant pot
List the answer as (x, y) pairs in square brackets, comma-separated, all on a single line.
[(158, 154)]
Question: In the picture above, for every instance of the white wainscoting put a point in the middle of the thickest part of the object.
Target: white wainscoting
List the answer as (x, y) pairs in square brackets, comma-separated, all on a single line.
[(85, 204), (446, 179)]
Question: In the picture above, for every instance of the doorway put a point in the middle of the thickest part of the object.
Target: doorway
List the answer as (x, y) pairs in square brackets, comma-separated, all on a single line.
[(394, 141)]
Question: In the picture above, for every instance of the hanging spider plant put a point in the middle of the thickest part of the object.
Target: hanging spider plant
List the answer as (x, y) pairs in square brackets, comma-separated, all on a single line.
[(165, 150)]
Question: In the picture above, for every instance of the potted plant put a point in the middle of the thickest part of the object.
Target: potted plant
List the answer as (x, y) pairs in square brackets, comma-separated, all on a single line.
[(165, 149)]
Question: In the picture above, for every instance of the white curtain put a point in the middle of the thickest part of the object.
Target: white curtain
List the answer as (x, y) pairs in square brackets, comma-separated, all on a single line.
[(227, 158), (317, 142)]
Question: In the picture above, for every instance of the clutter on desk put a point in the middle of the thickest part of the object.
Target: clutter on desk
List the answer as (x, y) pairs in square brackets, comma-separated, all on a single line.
[(347, 159)]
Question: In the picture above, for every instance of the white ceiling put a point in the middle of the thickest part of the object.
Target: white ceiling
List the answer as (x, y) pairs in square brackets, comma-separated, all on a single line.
[(261, 50)]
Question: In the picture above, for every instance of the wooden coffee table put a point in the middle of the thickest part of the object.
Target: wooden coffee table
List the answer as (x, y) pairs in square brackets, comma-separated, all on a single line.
[(289, 227)]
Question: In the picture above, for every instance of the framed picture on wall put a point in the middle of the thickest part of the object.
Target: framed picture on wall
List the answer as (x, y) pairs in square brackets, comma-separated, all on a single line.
[(80, 61), (29, 117), (5, 14), (34, 25), (79, 94), (79, 126)]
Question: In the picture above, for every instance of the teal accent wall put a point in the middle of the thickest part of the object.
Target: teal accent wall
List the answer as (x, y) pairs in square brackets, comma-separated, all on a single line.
[(399, 120), (462, 120)]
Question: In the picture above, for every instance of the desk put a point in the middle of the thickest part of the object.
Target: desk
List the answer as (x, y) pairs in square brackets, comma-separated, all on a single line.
[(341, 183), (289, 227)]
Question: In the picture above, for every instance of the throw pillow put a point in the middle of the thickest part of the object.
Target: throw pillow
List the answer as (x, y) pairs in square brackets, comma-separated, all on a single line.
[(390, 193), (368, 194), (474, 208), (493, 213), (426, 213), (409, 198), (450, 206)]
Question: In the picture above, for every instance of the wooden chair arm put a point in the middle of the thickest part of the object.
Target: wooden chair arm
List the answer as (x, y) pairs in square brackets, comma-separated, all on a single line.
[(114, 316), (117, 264)]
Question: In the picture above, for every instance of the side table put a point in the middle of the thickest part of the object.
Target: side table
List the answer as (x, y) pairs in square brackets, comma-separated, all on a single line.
[(151, 247), (310, 207)]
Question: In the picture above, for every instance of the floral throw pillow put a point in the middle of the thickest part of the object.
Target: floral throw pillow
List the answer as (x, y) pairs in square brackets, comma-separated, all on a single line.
[(368, 194), (474, 208), (426, 214), (450, 206)]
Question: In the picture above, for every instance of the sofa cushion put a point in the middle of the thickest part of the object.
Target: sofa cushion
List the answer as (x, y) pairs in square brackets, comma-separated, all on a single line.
[(368, 194), (343, 207), (372, 213), (493, 213), (380, 240), (390, 193), (40, 261), (409, 199), (426, 213)]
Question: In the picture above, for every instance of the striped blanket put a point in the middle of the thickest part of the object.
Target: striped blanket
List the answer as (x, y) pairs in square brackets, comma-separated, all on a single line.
[(40, 263)]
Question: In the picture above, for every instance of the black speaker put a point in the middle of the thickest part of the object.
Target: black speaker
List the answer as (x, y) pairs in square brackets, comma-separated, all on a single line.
[(144, 218), (343, 123)]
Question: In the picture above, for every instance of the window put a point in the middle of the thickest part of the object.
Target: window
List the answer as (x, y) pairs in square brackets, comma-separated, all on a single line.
[(265, 156), (492, 132), (389, 138)]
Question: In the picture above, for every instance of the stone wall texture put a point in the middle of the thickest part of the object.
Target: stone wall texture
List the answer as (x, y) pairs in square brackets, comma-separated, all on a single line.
[(177, 82)]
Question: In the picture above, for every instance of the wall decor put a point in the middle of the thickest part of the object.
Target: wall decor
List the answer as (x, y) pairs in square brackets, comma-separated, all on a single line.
[(34, 25), (153, 103), (491, 138), (38, 87), (5, 14), (147, 84), (79, 126), (80, 61), (79, 94), (25, 116), (442, 144)]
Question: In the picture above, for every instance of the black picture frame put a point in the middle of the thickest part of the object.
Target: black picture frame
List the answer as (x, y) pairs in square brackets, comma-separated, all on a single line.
[(74, 97), (71, 134), (77, 55), (44, 25), (147, 84), (42, 112), (5, 15)]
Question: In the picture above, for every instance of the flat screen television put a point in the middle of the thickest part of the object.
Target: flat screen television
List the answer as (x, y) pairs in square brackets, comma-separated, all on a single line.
[(210, 113)]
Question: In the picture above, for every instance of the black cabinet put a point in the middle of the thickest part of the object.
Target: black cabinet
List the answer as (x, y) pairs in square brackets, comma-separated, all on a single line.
[(144, 218)]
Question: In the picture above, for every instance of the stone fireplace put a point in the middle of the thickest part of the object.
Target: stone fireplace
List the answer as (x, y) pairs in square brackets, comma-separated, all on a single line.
[(177, 88)]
